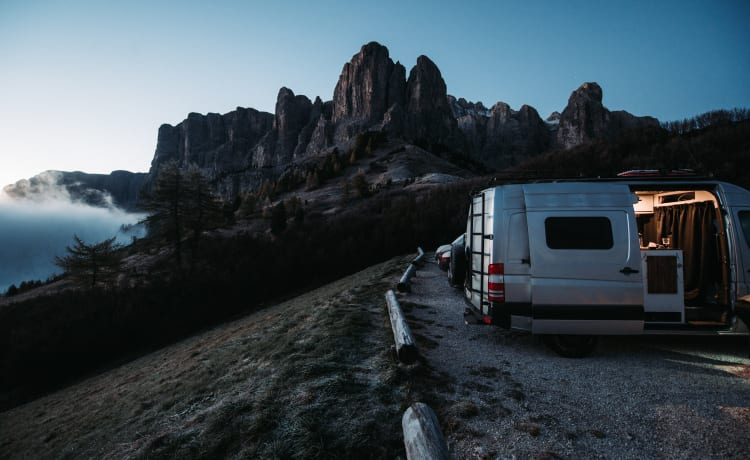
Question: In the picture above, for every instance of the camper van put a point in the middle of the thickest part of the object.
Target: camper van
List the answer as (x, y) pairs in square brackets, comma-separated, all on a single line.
[(573, 260)]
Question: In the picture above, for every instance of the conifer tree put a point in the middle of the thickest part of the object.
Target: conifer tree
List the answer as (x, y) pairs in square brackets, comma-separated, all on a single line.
[(91, 264), (181, 206)]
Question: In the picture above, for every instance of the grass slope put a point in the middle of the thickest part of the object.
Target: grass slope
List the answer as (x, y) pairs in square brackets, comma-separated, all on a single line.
[(312, 377)]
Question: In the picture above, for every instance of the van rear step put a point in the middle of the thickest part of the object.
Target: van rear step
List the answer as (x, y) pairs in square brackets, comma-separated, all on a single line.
[(692, 328), (663, 317)]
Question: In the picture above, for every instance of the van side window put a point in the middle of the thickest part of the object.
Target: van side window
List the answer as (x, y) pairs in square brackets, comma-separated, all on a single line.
[(579, 232), (745, 222)]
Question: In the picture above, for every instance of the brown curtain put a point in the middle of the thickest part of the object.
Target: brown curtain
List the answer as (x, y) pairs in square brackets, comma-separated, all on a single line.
[(692, 228)]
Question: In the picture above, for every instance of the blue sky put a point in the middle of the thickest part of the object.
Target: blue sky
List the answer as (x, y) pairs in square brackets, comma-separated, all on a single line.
[(84, 85)]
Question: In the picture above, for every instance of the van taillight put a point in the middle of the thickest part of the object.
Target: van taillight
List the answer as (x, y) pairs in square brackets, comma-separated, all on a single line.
[(496, 283)]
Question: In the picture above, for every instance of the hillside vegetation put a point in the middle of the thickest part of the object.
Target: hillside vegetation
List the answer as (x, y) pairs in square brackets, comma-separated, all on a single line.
[(312, 377)]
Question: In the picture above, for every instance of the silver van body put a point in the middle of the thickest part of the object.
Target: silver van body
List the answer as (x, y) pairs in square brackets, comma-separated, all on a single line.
[(610, 257)]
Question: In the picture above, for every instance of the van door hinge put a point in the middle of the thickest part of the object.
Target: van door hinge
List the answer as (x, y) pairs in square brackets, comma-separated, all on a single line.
[(489, 237)]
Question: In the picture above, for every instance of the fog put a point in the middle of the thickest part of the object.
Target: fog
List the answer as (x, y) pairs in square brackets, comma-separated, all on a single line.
[(35, 229)]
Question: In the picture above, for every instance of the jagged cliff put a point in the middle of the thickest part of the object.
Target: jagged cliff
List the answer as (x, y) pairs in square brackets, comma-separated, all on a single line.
[(240, 149), (585, 119)]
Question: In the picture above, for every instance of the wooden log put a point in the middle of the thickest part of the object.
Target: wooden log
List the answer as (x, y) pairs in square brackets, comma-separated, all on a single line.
[(419, 260), (406, 349), (422, 436), (403, 284)]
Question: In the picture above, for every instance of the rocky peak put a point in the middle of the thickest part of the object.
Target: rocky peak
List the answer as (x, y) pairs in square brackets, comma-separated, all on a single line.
[(369, 84), (585, 118), (292, 115), (425, 88), (462, 108), (501, 112), (429, 115), (587, 91)]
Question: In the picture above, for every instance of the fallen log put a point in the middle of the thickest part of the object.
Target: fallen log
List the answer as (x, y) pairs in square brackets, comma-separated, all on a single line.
[(406, 349), (403, 284), (422, 436)]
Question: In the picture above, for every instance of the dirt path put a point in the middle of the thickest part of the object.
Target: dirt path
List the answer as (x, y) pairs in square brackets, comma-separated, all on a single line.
[(507, 395)]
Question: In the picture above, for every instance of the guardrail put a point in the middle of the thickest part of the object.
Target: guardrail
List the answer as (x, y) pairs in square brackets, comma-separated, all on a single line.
[(422, 436), (406, 349), (403, 284)]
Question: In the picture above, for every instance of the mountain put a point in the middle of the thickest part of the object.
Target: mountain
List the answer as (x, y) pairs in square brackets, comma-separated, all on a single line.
[(240, 150)]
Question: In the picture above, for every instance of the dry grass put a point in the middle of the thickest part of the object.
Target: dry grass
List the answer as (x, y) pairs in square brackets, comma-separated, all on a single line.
[(310, 378)]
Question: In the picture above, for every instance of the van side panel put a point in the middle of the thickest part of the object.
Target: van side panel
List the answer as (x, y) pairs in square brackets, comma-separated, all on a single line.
[(585, 259)]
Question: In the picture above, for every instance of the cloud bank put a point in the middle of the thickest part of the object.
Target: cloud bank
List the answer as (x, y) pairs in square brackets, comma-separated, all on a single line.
[(36, 228)]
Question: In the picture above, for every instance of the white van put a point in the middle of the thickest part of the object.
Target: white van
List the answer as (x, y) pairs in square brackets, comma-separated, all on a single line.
[(575, 259)]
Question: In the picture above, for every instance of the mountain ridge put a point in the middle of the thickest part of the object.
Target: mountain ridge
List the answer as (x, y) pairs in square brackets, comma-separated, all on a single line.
[(239, 150)]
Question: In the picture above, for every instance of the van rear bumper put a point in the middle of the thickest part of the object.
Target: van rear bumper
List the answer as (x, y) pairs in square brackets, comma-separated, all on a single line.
[(570, 319), (588, 319), (588, 312)]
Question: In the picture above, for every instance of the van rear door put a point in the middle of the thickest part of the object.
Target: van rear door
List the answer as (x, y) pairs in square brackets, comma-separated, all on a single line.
[(585, 259)]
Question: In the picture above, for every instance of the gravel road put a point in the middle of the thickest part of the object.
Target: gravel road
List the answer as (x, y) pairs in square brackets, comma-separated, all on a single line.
[(634, 397)]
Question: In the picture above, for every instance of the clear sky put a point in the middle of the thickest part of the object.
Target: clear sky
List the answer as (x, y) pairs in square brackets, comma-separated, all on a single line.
[(84, 85)]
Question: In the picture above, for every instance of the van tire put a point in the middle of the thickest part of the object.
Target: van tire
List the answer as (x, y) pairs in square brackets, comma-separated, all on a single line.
[(571, 346), (457, 267)]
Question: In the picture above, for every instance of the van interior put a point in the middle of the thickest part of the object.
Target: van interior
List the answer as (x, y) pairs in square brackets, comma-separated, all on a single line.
[(684, 252)]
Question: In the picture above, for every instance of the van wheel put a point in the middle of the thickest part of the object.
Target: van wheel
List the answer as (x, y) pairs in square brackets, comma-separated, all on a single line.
[(457, 267), (571, 346)]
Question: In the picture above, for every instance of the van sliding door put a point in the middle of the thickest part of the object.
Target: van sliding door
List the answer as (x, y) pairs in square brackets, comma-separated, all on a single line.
[(585, 259)]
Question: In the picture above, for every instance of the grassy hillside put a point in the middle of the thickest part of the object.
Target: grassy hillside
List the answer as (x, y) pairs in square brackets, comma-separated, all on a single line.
[(312, 377), (50, 340)]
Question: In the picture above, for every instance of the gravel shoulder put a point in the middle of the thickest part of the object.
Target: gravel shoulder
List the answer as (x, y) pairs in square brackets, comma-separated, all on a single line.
[(634, 397)]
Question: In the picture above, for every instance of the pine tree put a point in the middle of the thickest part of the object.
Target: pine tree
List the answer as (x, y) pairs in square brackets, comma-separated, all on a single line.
[(181, 205), (91, 264)]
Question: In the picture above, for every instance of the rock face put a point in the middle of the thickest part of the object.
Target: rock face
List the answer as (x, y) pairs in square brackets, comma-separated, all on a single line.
[(585, 119), (500, 137), (239, 149), (369, 85), (429, 119), (217, 143)]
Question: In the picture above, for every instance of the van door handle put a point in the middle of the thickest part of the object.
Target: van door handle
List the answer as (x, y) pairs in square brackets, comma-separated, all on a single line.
[(628, 271)]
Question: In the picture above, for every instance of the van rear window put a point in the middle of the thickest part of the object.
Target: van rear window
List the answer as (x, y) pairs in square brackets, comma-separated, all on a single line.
[(578, 233)]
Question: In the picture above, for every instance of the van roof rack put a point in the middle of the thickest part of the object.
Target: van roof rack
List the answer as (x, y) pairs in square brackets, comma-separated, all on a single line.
[(658, 173)]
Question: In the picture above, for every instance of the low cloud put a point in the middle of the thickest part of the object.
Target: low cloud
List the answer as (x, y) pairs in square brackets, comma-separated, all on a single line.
[(37, 224)]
